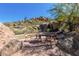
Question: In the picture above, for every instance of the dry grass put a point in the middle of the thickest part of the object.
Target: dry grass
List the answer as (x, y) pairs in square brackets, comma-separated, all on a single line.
[(25, 36)]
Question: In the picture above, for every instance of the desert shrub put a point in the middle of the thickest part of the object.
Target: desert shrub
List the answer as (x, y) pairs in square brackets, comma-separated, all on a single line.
[(19, 31)]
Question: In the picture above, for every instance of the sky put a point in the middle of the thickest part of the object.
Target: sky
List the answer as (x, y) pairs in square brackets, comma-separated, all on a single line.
[(10, 12)]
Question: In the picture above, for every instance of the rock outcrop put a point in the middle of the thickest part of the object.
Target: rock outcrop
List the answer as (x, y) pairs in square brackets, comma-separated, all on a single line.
[(12, 47), (69, 42), (65, 41), (6, 35)]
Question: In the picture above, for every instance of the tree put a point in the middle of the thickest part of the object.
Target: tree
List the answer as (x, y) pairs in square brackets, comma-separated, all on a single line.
[(65, 11), (68, 12)]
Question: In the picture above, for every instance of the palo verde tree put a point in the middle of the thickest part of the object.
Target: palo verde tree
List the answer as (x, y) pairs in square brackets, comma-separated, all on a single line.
[(65, 10), (68, 12)]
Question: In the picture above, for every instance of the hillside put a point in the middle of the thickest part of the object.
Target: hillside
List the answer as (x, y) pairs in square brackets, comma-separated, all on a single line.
[(27, 25)]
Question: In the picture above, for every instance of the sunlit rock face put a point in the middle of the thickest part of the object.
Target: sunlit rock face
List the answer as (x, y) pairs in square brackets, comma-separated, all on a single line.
[(12, 47), (5, 35)]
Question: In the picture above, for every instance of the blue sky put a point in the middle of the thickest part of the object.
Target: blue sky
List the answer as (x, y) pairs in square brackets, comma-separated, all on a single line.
[(12, 12)]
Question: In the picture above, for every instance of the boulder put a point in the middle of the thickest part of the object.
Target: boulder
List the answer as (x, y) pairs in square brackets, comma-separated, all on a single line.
[(69, 42), (6, 35), (65, 42), (12, 47)]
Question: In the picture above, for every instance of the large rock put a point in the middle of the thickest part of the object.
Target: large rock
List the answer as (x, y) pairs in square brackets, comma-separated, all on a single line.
[(65, 41), (69, 42), (6, 35), (12, 47)]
